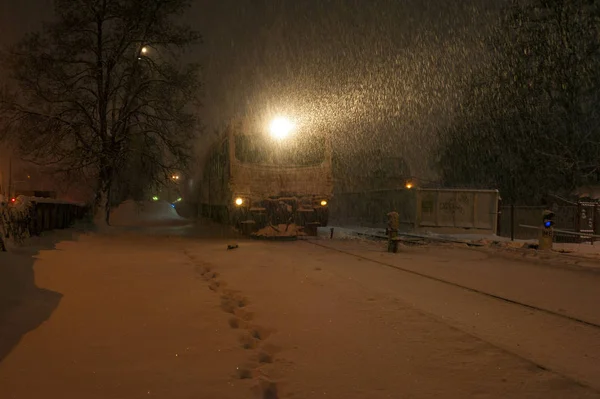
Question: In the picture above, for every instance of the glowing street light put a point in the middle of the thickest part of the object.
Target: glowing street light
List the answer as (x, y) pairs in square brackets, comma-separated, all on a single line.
[(281, 128), (144, 50), (175, 177), (409, 185)]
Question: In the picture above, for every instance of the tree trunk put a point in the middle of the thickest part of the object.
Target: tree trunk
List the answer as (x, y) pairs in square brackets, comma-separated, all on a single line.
[(107, 204), (103, 200)]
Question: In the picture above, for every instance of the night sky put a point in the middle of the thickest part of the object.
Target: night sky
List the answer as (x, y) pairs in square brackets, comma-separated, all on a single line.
[(378, 73)]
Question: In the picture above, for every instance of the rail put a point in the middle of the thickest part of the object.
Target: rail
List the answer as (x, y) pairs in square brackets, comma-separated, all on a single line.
[(566, 232)]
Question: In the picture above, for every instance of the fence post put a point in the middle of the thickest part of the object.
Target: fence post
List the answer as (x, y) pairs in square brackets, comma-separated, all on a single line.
[(499, 216), (578, 221), (593, 225), (512, 221), (594, 222)]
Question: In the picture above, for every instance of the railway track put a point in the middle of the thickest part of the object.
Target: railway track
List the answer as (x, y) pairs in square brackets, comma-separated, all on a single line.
[(461, 286)]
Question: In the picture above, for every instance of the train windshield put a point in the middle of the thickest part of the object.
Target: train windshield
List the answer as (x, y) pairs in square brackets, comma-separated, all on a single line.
[(294, 151)]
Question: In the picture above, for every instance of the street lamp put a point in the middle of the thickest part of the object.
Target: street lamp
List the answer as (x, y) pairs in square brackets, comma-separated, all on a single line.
[(281, 128), (144, 50)]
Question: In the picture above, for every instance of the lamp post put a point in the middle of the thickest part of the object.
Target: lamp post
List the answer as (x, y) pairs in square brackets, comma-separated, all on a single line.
[(10, 177)]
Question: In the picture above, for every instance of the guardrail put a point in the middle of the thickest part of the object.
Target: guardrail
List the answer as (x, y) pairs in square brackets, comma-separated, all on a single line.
[(581, 235)]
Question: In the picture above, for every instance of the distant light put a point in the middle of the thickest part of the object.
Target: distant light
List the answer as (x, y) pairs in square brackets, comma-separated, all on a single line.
[(13, 200), (155, 198), (175, 177), (409, 185), (323, 203), (281, 128), (548, 223), (29, 176), (144, 50), (172, 205), (239, 201), (179, 199)]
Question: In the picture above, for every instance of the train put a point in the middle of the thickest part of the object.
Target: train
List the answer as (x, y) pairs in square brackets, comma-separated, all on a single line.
[(251, 179)]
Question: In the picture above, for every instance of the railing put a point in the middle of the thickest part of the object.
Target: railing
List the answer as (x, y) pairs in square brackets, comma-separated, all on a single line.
[(575, 237), (574, 222)]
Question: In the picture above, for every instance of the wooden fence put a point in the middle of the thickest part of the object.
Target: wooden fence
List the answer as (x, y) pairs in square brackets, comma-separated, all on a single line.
[(28, 217), (51, 216)]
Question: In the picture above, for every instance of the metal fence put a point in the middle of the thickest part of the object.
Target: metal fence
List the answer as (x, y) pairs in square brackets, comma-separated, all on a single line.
[(572, 218)]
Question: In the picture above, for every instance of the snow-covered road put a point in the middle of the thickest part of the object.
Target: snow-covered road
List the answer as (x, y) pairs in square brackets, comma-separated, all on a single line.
[(170, 312)]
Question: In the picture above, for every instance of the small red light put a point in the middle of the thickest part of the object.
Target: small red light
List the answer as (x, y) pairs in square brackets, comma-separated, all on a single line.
[(13, 200)]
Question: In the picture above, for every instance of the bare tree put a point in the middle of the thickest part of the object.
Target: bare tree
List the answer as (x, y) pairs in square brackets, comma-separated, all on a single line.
[(102, 85)]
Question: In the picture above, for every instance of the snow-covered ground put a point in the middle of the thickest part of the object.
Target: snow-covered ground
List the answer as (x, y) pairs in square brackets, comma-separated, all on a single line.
[(145, 213), (137, 315)]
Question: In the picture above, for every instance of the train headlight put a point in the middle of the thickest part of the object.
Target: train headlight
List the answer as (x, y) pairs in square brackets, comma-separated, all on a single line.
[(281, 128), (239, 201), (323, 203)]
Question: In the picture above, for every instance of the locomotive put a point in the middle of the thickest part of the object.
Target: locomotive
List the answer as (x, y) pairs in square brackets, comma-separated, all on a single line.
[(252, 178)]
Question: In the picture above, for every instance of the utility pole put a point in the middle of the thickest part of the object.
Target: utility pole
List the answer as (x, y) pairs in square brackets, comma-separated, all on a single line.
[(9, 194)]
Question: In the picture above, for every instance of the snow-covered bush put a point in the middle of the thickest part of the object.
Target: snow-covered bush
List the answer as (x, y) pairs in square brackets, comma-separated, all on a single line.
[(15, 218)]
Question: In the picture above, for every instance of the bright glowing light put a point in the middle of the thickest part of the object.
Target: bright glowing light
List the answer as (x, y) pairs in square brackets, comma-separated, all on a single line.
[(144, 50), (239, 201), (179, 199), (155, 198), (409, 185), (323, 203), (175, 177), (281, 128), (547, 224)]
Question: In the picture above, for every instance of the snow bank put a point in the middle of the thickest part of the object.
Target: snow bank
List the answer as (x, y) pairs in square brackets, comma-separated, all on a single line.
[(349, 233), (281, 230), (585, 249), (131, 213)]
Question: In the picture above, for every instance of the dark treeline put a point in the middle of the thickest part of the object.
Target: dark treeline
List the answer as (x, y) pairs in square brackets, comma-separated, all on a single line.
[(529, 124)]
